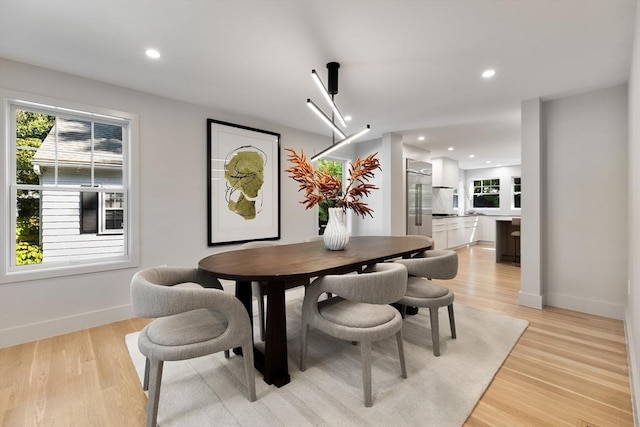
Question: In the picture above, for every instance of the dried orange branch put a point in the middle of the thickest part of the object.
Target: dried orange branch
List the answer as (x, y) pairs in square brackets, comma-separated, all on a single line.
[(318, 185)]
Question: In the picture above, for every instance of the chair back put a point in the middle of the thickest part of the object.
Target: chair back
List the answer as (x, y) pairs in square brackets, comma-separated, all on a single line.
[(433, 264), (154, 292), (382, 283)]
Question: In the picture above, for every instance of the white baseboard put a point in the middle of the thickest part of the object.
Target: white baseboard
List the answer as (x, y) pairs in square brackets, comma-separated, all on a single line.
[(598, 308), (51, 328), (530, 300), (634, 368)]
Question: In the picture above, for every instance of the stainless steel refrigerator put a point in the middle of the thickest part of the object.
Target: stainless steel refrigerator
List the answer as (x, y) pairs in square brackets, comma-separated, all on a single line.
[(419, 198)]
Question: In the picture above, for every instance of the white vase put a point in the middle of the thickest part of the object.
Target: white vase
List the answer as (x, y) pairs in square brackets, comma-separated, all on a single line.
[(336, 235)]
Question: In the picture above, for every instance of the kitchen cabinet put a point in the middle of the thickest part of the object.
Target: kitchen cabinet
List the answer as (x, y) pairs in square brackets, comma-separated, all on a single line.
[(454, 232), (470, 229), (488, 229), (439, 231), (444, 172)]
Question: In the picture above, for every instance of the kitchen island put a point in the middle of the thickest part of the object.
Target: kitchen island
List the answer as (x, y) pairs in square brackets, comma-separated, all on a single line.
[(505, 244)]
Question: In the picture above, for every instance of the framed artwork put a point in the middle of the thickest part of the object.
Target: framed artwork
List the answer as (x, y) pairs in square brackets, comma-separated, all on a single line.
[(243, 191)]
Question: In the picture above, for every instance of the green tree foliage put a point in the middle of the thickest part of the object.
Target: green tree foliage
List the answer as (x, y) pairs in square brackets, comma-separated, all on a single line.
[(334, 168), (31, 129), (331, 167)]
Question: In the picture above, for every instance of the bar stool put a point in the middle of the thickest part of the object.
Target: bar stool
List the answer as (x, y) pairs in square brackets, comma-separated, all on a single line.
[(516, 240)]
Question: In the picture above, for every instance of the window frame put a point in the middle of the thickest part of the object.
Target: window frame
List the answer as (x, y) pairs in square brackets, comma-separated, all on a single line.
[(9, 272), (516, 193), (101, 210), (102, 213), (345, 169), (485, 193)]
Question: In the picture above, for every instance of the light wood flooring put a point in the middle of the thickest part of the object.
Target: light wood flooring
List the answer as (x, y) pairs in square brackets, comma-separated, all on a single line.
[(568, 369)]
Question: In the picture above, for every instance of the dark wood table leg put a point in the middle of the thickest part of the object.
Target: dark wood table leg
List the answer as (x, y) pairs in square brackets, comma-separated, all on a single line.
[(276, 368), (243, 293)]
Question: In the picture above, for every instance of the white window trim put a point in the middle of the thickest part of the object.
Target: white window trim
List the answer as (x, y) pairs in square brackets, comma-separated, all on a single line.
[(7, 213), (513, 193), (102, 210), (473, 193)]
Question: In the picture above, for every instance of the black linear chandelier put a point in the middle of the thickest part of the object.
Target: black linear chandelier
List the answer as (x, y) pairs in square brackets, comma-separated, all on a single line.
[(328, 95)]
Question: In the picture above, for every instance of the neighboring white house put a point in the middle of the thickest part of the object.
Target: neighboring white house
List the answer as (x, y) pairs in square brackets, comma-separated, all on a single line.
[(89, 222)]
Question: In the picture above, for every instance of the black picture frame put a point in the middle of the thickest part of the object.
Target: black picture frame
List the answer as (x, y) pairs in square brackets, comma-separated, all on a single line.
[(243, 183)]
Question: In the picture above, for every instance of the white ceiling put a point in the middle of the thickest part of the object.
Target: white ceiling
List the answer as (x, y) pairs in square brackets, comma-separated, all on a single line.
[(410, 67)]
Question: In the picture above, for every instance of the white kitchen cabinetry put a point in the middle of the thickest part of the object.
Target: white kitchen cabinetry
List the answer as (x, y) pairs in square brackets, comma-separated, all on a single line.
[(470, 229), (488, 229), (445, 172), (439, 231), (454, 232)]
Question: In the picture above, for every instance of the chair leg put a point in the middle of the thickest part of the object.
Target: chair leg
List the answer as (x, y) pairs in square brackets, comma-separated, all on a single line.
[(155, 379), (365, 351), (435, 334), (403, 365), (145, 382), (304, 332), (452, 321), (247, 355)]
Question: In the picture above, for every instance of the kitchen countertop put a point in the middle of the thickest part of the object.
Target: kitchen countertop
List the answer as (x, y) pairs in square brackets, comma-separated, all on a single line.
[(468, 215)]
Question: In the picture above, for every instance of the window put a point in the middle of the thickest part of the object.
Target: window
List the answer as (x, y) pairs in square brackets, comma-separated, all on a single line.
[(516, 192), (69, 191), (112, 220), (101, 213), (335, 168), (486, 193)]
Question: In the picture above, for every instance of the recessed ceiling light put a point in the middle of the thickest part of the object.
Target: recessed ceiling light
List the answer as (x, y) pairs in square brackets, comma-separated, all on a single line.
[(487, 74), (152, 53), (450, 148), (488, 161), (347, 118), (421, 138), (472, 155)]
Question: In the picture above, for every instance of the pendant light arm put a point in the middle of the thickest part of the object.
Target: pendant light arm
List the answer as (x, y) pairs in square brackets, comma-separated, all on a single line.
[(324, 118), (328, 97), (342, 142)]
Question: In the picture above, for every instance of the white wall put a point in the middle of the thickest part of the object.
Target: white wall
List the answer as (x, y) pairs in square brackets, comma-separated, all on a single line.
[(173, 206), (584, 170), (372, 226), (632, 315)]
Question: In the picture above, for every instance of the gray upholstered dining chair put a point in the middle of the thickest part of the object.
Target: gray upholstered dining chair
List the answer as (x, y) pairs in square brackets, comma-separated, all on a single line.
[(422, 292), (358, 313), (259, 289), (191, 321)]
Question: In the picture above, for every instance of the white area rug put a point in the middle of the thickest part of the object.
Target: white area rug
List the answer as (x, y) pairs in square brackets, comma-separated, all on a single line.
[(439, 391)]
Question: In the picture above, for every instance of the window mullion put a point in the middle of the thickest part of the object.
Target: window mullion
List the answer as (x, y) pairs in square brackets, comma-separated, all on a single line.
[(92, 158)]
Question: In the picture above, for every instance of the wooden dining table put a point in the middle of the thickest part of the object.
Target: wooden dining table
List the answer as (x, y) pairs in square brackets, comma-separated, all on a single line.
[(282, 265)]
